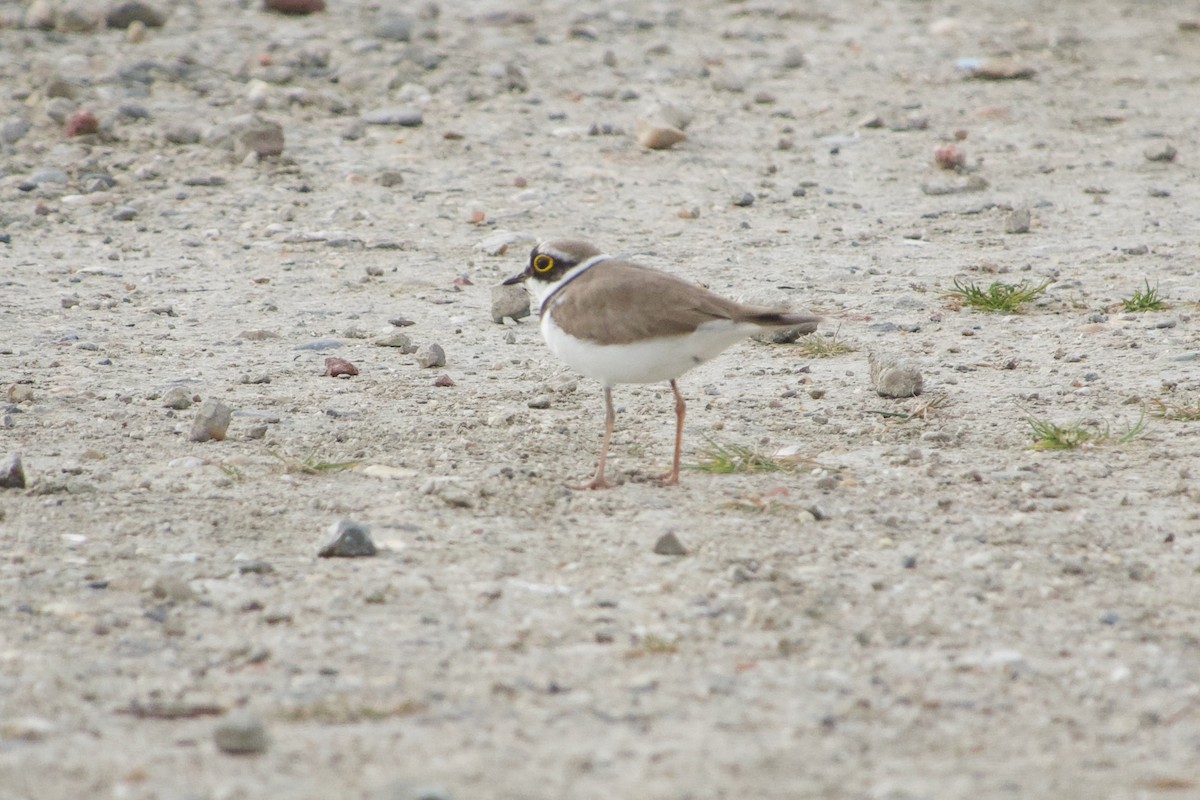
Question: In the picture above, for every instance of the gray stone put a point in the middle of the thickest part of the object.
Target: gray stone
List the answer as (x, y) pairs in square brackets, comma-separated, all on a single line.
[(542, 401), (59, 108), (319, 345), (124, 213), (745, 199), (133, 111), (49, 175), (172, 587), (431, 355), (182, 133), (12, 472), (892, 377), (399, 340), (669, 545), (212, 421), (403, 790), (1165, 152), (177, 398), (404, 116), (13, 129), (122, 15), (394, 27), (1018, 220), (241, 733), (347, 539), (246, 134), (509, 301)]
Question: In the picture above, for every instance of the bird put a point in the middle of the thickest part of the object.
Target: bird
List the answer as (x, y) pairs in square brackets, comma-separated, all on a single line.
[(621, 322)]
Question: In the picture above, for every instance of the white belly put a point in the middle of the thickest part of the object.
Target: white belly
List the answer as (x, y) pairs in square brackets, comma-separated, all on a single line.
[(644, 362)]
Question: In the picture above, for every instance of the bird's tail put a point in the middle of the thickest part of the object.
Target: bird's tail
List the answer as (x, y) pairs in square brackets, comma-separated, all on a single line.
[(784, 319)]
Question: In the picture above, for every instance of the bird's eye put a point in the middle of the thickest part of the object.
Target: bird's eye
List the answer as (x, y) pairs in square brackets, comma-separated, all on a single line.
[(542, 263)]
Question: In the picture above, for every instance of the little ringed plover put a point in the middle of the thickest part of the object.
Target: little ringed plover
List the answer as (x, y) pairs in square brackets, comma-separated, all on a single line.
[(622, 322)]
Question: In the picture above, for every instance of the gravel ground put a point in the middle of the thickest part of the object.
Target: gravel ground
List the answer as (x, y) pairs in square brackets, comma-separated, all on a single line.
[(922, 606)]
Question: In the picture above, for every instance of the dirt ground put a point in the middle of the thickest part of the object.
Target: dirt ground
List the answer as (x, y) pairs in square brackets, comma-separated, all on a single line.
[(924, 607)]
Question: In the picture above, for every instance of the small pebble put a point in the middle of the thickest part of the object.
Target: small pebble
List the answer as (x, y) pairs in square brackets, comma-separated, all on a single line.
[(240, 733), (431, 355), (337, 367), (81, 123), (403, 116), (509, 301), (542, 401), (172, 587), (347, 539), (212, 421), (124, 213), (744, 200), (657, 135), (669, 545), (296, 7), (1000, 69), (12, 472), (892, 377), (1018, 220), (177, 398), (443, 381), (319, 344), (400, 340), (1165, 153), (122, 15), (393, 27), (950, 156), (404, 790)]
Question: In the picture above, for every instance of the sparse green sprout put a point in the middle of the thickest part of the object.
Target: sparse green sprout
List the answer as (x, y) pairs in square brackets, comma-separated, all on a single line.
[(231, 472), (1186, 411), (1006, 298), (818, 345), (723, 459), (919, 409), (313, 466), (1147, 299), (1048, 435)]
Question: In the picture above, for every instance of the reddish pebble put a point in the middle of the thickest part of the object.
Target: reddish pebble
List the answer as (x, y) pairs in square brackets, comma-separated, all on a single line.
[(520, 182), (950, 156), (336, 367), (443, 380), (452, 136), (478, 217), (82, 122), (294, 6), (463, 280), (961, 134)]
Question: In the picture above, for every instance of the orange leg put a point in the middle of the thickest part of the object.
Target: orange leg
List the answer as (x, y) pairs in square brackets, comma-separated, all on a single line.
[(598, 482), (672, 477)]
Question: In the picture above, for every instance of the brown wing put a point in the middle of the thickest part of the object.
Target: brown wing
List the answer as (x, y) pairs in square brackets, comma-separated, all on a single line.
[(619, 302)]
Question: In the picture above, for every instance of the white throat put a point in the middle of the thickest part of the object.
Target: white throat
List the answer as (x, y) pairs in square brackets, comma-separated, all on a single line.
[(541, 289)]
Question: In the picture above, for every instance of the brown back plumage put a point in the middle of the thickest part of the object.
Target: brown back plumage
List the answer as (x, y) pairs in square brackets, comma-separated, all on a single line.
[(618, 302)]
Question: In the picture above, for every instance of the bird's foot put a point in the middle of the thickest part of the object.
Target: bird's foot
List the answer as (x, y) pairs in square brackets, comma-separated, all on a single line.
[(669, 478), (597, 482)]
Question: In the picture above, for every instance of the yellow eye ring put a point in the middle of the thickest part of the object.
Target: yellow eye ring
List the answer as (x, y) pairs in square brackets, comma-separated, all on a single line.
[(542, 263)]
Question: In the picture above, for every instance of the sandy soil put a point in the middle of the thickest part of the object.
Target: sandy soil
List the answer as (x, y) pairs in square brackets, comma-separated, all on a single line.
[(968, 618)]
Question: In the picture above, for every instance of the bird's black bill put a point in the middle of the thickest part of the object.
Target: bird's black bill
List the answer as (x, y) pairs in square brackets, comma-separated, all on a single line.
[(518, 278)]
